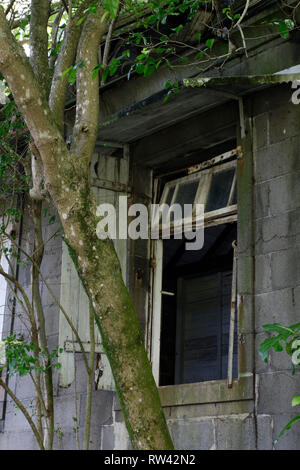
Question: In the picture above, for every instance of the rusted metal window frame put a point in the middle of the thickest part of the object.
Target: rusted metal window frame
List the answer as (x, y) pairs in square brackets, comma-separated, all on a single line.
[(210, 218), (226, 214)]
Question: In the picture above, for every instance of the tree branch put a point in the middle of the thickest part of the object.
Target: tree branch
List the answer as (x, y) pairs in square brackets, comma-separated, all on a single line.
[(87, 88), (66, 58), (9, 7), (54, 33), (40, 11), (67, 317), (108, 40), (25, 413)]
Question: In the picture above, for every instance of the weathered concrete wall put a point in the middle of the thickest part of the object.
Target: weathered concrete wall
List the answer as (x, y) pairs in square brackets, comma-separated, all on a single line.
[(15, 432), (277, 257), (255, 424), (242, 424)]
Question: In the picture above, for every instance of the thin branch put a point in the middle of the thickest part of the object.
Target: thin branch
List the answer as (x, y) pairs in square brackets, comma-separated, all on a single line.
[(25, 413), (243, 39), (37, 302), (9, 7), (75, 398), (20, 288), (108, 40), (65, 59), (89, 394), (56, 301), (55, 28), (242, 15)]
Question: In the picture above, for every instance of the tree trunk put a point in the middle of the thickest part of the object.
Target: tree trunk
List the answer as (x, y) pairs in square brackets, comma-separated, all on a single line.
[(67, 179), (99, 269)]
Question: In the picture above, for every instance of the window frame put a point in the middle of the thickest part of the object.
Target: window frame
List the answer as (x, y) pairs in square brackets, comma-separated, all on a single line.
[(216, 390), (201, 194)]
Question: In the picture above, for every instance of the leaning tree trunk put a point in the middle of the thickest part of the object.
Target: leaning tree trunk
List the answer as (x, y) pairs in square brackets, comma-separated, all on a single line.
[(67, 180), (99, 269)]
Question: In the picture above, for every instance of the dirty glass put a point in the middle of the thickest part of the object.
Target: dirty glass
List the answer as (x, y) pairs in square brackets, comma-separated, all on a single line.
[(219, 190), (186, 194)]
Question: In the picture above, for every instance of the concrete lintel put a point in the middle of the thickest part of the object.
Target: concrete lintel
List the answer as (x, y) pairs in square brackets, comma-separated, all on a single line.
[(242, 80)]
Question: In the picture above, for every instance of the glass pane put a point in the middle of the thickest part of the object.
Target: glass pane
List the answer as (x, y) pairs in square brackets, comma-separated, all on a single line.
[(170, 195), (168, 199), (186, 195), (234, 199), (219, 190)]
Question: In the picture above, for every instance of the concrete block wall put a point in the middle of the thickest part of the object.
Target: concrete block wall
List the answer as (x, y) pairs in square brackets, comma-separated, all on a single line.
[(276, 151), (245, 424), (15, 432)]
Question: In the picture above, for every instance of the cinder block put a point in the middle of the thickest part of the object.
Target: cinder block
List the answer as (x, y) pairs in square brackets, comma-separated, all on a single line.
[(261, 200), (264, 432), (108, 438), (276, 233), (291, 438), (276, 390), (192, 434), (277, 361), (285, 193), (261, 130), (263, 274), (284, 122), (22, 440), (278, 159), (275, 307), (285, 267), (235, 433), (102, 402), (15, 419)]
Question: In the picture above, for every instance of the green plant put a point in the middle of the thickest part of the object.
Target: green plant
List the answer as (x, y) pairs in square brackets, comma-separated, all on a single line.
[(288, 339)]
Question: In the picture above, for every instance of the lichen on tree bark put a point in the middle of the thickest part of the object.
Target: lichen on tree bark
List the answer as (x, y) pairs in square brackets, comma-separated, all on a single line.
[(67, 181)]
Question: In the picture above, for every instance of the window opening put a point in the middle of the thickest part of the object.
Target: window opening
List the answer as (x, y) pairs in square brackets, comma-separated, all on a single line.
[(197, 288)]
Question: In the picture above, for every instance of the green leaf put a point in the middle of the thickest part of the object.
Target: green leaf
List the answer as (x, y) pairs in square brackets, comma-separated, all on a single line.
[(284, 27), (80, 20), (149, 69), (179, 28), (105, 74), (168, 85), (104, 16), (276, 328), (96, 71), (66, 71), (140, 68), (269, 343), (288, 426), (210, 43), (296, 401), (111, 6)]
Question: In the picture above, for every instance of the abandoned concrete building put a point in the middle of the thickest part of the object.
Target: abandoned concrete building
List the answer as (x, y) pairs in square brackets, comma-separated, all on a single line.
[(231, 140)]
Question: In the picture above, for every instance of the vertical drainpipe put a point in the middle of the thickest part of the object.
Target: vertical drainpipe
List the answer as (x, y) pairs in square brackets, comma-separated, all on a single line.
[(247, 136)]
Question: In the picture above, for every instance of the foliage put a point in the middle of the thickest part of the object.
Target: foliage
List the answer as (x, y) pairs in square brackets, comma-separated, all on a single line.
[(21, 357), (13, 150), (287, 338)]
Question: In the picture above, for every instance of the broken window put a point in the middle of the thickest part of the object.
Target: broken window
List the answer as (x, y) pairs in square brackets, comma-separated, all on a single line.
[(194, 324)]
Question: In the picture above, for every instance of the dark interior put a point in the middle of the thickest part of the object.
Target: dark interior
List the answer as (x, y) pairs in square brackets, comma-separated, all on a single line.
[(195, 320)]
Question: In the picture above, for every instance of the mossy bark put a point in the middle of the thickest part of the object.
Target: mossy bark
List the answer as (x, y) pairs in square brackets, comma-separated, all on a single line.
[(99, 269), (67, 181)]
